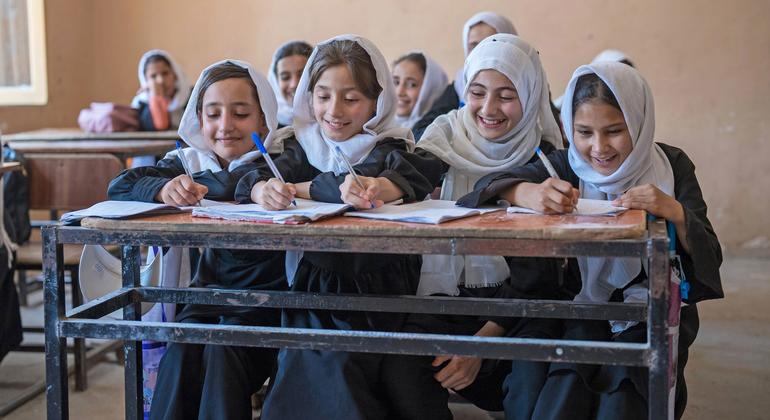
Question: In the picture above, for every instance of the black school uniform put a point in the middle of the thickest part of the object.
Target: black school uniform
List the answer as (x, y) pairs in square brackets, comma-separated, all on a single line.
[(211, 381), (414, 391), (445, 103), (313, 384), (608, 392)]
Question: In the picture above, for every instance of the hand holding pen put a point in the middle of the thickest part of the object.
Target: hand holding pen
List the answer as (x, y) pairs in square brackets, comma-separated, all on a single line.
[(275, 194), (182, 190), (555, 195), (356, 190)]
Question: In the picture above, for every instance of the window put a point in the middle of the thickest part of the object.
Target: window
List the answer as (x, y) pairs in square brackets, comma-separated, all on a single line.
[(23, 78)]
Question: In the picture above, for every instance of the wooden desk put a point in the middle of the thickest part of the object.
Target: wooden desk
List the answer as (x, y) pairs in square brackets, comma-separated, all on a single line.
[(490, 234), (60, 162), (9, 167)]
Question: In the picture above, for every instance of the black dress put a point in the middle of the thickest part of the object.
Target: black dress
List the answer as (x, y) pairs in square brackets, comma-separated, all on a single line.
[(588, 391), (211, 381), (326, 384), (414, 391), (445, 103)]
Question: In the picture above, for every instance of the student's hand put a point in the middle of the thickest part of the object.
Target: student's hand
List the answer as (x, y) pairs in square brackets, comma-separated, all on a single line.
[(156, 89), (359, 198), (273, 194), (552, 196), (460, 372), (182, 191), (652, 200)]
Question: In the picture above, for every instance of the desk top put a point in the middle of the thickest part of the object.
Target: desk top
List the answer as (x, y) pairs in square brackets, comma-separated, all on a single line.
[(76, 134), (127, 147), (9, 166), (629, 225)]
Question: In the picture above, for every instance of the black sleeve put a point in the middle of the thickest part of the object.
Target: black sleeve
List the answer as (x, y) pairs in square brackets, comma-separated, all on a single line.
[(145, 118), (292, 163), (701, 264), (445, 103), (489, 188), (389, 159), (144, 183)]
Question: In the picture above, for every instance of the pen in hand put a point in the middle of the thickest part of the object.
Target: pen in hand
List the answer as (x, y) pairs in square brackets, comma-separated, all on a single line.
[(344, 159), (185, 164), (258, 142), (549, 167)]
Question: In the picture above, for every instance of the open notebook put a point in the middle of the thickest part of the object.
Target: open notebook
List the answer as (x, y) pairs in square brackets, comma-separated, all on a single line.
[(429, 211), (305, 211), (125, 209), (585, 207)]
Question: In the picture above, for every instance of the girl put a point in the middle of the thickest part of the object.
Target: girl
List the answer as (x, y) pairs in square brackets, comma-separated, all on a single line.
[(506, 117), (163, 94), (345, 99), (285, 70), (478, 27), (229, 102), (608, 108), (419, 82)]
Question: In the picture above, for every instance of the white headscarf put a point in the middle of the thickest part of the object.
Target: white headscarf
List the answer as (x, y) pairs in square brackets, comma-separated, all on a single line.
[(319, 149), (501, 24), (606, 55), (285, 109), (199, 154), (646, 164), (433, 84), (455, 139), (176, 106)]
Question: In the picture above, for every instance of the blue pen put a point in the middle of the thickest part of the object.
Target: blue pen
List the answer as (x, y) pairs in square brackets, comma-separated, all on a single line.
[(183, 159), (344, 159), (268, 159)]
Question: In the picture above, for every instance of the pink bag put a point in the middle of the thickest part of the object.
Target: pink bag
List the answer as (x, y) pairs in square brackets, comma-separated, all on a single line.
[(107, 117)]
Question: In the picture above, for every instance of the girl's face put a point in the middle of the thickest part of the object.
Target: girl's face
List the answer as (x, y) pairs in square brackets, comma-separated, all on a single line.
[(477, 33), (494, 103), (408, 78), (229, 115), (160, 74), (601, 136), (339, 106), (289, 70)]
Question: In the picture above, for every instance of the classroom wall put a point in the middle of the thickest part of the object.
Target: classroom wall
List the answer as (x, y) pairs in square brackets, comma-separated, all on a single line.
[(706, 62)]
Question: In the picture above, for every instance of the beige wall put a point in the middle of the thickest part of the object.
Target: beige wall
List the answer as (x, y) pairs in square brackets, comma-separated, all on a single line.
[(707, 63)]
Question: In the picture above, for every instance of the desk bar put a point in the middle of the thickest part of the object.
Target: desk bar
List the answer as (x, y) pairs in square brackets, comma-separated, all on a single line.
[(132, 350), (55, 343), (633, 354), (657, 324)]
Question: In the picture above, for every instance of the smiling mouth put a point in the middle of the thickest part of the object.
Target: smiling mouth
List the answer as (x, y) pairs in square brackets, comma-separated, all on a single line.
[(490, 122), (603, 161), (335, 125)]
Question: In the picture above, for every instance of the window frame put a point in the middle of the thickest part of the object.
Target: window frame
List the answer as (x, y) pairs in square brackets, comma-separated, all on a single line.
[(37, 92)]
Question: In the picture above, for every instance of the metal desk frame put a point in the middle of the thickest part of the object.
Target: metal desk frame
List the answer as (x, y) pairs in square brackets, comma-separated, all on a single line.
[(83, 321)]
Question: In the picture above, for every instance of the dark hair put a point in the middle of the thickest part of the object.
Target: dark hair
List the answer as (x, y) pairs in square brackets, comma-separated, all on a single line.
[(354, 57), (416, 58), (156, 58), (590, 87), (292, 48), (626, 61), (224, 71)]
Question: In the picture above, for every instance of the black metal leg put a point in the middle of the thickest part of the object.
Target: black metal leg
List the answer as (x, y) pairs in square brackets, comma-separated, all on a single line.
[(55, 345), (81, 378), (132, 349), (23, 287), (657, 323)]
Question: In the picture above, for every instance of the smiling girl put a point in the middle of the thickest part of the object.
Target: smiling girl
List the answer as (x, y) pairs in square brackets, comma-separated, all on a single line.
[(285, 71), (229, 102), (345, 99), (419, 82), (507, 115), (608, 108)]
